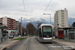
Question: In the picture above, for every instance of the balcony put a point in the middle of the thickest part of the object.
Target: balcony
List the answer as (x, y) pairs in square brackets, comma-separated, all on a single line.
[(0, 21)]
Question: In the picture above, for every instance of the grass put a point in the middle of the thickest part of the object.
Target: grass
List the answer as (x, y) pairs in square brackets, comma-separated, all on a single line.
[(19, 39), (54, 39)]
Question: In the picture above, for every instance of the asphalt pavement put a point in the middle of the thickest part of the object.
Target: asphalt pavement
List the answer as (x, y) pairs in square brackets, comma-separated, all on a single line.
[(32, 44)]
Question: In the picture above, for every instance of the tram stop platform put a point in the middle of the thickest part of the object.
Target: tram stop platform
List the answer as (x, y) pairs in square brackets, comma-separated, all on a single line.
[(65, 43), (8, 43)]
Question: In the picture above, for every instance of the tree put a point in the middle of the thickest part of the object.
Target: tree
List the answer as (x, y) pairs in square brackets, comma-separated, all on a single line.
[(23, 31), (73, 24), (39, 24), (30, 28)]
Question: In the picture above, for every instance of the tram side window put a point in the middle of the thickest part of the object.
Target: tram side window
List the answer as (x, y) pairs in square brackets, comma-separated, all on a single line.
[(40, 33), (37, 32)]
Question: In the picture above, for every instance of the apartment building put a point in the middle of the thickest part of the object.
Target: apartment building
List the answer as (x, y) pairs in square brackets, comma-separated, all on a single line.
[(61, 18), (13, 25), (0, 21), (9, 22), (20, 27), (17, 26)]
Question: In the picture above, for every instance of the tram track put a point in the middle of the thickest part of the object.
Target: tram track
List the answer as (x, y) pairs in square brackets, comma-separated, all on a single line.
[(48, 45), (52, 46), (19, 44), (28, 44), (23, 45), (55, 46), (15, 45), (33, 44)]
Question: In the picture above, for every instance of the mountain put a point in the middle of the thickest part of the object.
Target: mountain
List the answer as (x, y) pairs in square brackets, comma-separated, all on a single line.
[(35, 21), (70, 21)]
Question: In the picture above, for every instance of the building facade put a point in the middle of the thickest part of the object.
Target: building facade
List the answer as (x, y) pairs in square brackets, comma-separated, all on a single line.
[(9, 22), (13, 25), (61, 18), (17, 26), (0, 21)]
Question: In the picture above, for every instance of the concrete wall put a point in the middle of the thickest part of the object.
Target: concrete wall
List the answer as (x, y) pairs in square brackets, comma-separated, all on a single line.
[(4, 21), (59, 18), (0, 35), (66, 18)]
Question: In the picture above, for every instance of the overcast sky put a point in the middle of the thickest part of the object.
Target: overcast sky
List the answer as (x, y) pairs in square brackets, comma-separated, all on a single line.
[(35, 8)]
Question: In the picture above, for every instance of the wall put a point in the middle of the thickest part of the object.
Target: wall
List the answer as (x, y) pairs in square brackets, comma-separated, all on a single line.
[(0, 35), (9, 31), (4, 21)]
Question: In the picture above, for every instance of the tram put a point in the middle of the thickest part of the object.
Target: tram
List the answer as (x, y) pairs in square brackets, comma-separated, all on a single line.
[(44, 33)]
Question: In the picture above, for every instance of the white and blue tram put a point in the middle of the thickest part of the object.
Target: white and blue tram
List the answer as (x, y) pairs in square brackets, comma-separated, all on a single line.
[(44, 33)]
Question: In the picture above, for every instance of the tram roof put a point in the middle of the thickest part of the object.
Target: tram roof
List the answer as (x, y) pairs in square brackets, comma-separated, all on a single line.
[(45, 25)]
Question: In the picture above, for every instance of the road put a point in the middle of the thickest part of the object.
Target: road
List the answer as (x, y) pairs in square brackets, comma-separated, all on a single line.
[(32, 44)]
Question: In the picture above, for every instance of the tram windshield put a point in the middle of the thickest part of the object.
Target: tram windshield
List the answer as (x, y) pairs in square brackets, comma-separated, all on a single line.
[(47, 31)]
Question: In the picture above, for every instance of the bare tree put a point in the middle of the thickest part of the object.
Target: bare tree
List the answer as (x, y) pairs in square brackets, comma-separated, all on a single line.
[(73, 24), (39, 24), (30, 28), (23, 31)]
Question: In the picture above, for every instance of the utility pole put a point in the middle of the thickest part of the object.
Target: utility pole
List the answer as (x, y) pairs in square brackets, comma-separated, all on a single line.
[(50, 18), (48, 14), (21, 26)]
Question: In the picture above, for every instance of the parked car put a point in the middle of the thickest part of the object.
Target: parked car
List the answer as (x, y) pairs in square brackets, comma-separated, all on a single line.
[(19, 36), (11, 37)]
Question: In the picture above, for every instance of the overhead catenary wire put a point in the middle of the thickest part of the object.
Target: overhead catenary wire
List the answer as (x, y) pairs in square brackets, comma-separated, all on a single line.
[(21, 17), (47, 7), (24, 7), (44, 10)]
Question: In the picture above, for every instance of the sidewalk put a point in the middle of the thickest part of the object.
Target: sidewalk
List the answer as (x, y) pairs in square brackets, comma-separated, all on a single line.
[(8, 43), (65, 43)]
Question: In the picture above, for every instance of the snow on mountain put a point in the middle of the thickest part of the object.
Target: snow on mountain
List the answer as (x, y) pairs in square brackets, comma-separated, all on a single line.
[(35, 21), (70, 21)]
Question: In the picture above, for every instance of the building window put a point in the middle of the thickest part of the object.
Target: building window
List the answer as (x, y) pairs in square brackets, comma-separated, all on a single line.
[(62, 25), (62, 22), (62, 18), (62, 13), (62, 10)]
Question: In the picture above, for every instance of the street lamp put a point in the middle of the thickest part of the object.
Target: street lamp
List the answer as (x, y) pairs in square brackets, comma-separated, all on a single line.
[(48, 14)]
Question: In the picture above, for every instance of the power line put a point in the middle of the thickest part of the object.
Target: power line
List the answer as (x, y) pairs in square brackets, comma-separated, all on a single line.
[(24, 7), (47, 7)]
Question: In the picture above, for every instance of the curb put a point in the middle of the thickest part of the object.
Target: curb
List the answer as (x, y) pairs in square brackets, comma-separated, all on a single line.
[(63, 44), (59, 43), (10, 45)]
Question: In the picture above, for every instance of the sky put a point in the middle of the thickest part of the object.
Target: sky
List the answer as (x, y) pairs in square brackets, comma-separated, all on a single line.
[(35, 8)]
